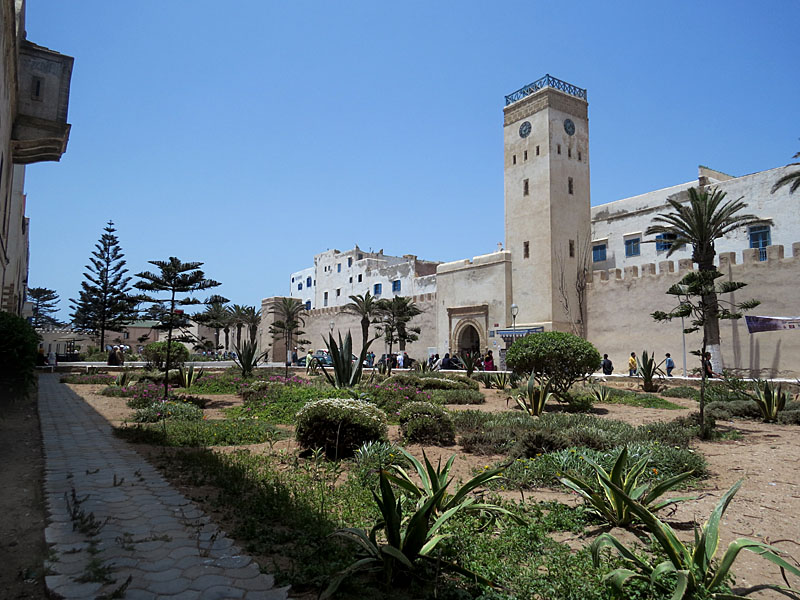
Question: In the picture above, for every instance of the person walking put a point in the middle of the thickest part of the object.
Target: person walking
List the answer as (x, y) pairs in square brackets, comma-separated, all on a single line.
[(607, 365), (488, 364), (670, 364), (633, 365)]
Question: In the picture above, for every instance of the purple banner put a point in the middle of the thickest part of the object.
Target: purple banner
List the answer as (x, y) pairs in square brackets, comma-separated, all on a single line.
[(756, 324)]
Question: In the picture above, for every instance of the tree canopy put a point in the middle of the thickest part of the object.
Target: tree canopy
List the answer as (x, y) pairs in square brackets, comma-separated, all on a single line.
[(44, 302)]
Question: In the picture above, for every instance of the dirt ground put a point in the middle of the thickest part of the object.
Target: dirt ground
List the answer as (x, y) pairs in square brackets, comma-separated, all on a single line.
[(22, 516), (766, 457)]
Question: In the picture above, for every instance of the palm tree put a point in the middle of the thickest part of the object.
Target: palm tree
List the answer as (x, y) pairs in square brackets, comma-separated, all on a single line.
[(791, 179), (252, 319), (174, 278), (394, 316), (238, 316), (216, 317), (699, 223), (289, 313), (366, 307)]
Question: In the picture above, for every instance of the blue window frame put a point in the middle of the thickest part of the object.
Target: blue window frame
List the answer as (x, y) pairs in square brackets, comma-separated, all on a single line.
[(349, 261), (308, 281), (598, 253), (633, 247), (760, 239), (308, 304), (396, 285), (300, 286), (338, 267), (376, 289), (664, 241)]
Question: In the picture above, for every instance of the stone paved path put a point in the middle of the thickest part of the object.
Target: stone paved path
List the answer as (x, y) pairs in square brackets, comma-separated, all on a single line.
[(113, 519)]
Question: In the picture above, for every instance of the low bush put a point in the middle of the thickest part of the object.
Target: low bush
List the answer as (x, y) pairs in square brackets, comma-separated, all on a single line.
[(391, 397), (92, 378), (747, 409), (427, 423), (545, 469), (143, 395), (580, 403), (19, 345), (681, 391), (437, 376), (427, 382), (371, 457), (197, 401), (639, 399), (278, 391), (457, 396), (201, 433), (155, 354), (789, 417), (161, 411), (340, 426), (276, 413)]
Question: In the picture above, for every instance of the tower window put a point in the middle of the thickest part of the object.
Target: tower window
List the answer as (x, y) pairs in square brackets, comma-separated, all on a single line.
[(559, 148), (338, 292), (308, 304), (598, 253), (396, 285), (632, 247), (525, 187), (579, 155), (514, 159), (537, 150), (664, 241), (359, 277), (308, 281), (349, 261), (572, 248), (351, 279), (325, 299), (526, 250), (570, 187), (569, 152), (760, 238), (525, 155), (360, 256), (338, 267), (376, 289), (300, 286)]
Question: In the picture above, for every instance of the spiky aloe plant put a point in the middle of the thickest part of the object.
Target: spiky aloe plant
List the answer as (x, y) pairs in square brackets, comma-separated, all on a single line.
[(534, 397), (771, 400), (608, 503), (692, 569), (501, 380), (649, 370), (346, 373), (247, 357), (601, 393), (190, 375)]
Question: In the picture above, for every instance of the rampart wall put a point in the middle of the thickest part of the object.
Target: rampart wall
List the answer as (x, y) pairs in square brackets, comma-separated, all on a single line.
[(620, 303)]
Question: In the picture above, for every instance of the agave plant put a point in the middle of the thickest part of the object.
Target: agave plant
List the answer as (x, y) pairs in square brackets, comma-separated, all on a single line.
[(601, 393), (771, 400), (346, 373), (189, 376), (500, 380), (486, 379), (692, 571), (422, 366), (608, 503), (247, 357), (470, 362), (649, 370), (435, 479), (124, 378), (534, 397), (410, 540)]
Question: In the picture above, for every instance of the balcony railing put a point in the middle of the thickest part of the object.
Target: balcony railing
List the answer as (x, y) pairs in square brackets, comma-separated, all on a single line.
[(546, 81)]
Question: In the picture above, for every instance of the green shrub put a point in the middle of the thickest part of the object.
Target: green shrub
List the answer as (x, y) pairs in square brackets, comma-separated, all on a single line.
[(89, 378), (276, 413), (194, 400), (726, 410), (155, 354), (457, 396), (200, 433), (372, 457), (642, 400), (580, 403), (19, 344), (560, 358), (789, 417), (340, 426), (427, 423), (438, 376), (160, 411), (681, 391), (426, 382)]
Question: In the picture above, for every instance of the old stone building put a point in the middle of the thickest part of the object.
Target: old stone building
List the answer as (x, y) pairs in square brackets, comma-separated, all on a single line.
[(571, 267), (33, 128)]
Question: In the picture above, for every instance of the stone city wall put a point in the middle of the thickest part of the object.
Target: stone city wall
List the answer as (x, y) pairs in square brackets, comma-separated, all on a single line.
[(620, 303)]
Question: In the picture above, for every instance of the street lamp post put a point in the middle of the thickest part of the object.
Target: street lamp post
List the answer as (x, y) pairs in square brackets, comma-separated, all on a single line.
[(331, 325), (514, 313)]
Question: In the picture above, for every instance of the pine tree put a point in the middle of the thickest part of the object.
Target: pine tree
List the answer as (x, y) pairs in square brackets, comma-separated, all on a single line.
[(104, 303), (44, 306)]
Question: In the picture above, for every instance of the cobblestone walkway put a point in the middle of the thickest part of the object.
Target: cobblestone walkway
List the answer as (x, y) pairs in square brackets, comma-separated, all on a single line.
[(117, 529)]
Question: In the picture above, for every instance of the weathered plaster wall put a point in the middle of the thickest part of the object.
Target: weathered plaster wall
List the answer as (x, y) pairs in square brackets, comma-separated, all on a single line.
[(621, 302)]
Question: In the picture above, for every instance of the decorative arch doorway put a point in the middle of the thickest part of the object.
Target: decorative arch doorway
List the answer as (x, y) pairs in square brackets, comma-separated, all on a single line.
[(469, 340)]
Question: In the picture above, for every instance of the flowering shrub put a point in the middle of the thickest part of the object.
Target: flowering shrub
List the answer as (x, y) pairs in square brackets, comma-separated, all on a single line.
[(88, 379), (452, 382), (277, 388), (391, 397), (140, 395), (160, 411), (427, 423), (201, 433), (340, 426)]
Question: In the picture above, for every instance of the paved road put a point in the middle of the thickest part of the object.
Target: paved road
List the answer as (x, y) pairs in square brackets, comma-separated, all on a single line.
[(113, 518)]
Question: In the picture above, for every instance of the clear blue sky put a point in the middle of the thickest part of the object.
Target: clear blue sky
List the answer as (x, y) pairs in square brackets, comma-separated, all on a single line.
[(253, 134)]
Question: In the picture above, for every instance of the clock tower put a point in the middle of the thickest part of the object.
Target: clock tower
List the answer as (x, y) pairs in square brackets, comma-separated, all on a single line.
[(547, 207)]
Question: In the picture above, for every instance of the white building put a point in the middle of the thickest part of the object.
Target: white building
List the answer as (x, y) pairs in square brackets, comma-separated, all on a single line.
[(338, 275)]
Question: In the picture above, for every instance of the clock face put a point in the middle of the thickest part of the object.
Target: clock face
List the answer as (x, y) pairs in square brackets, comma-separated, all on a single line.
[(569, 127), (525, 129)]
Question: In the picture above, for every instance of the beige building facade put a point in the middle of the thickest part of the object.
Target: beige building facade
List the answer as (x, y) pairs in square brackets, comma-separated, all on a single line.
[(568, 266)]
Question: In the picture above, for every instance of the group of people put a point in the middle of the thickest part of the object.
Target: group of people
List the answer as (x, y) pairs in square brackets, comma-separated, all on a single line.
[(448, 363), (116, 355), (669, 364)]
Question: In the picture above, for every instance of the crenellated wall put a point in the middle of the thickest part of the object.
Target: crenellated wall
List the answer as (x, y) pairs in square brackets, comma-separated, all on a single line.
[(620, 303)]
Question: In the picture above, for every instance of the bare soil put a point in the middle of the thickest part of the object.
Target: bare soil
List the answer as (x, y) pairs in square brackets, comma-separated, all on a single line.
[(22, 515), (766, 458)]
